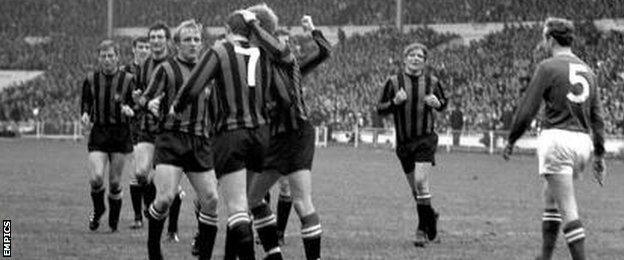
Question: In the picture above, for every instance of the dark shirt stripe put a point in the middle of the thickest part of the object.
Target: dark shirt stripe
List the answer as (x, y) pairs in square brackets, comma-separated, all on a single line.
[(413, 118), (103, 96), (241, 87)]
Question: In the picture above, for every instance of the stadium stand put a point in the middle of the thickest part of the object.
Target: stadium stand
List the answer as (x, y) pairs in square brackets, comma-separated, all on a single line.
[(480, 77)]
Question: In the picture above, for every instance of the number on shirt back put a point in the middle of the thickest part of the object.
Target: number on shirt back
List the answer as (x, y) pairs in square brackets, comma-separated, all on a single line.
[(254, 54), (577, 76)]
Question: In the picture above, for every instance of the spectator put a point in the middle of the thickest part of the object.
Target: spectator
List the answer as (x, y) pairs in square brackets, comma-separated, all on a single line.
[(457, 123)]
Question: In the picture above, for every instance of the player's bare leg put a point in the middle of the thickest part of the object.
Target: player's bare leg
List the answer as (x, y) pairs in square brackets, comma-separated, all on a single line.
[(145, 157), (551, 223), (239, 234), (117, 161), (136, 188), (98, 163), (427, 217), (562, 186), (284, 205), (205, 185), (166, 179), (265, 221), (301, 191)]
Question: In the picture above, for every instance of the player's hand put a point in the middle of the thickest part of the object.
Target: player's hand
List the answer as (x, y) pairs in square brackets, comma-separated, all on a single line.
[(136, 95), (432, 101), (307, 24), (126, 110), (400, 97), (507, 151), (153, 106), (599, 170), (85, 119), (247, 15)]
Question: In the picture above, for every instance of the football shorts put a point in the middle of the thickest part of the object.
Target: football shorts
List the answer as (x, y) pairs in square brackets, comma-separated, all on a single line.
[(420, 150), (190, 152), (291, 151), (563, 152), (110, 139), (240, 149)]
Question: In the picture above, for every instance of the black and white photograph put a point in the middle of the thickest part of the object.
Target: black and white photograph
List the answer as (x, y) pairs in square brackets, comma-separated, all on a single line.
[(312, 129)]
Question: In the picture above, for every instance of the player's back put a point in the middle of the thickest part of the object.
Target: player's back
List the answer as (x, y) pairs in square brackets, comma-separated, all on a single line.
[(570, 90)]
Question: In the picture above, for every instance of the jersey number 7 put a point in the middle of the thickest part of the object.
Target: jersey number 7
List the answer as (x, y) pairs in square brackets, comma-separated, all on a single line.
[(254, 54), (577, 72)]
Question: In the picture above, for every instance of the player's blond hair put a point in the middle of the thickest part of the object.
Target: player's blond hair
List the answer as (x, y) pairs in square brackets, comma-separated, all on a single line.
[(191, 24), (266, 16)]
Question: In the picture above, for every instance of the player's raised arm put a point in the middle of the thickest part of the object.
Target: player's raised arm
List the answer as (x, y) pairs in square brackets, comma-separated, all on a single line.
[(315, 59), (529, 105), (200, 77), (260, 16), (385, 104)]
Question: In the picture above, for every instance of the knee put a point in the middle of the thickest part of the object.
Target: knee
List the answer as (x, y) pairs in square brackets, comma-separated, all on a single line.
[(115, 187), (421, 182), (302, 201), (284, 190), (142, 170), (303, 206), (96, 182), (166, 199), (237, 206), (210, 199), (98, 172), (422, 187), (419, 178)]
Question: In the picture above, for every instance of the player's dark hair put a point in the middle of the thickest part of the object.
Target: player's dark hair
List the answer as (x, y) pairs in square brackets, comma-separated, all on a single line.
[(561, 30), (160, 25), (237, 24), (142, 39)]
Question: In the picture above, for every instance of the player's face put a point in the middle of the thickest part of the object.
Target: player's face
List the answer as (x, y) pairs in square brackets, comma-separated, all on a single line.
[(141, 51), (415, 60), (158, 41), (190, 43), (108, 59)]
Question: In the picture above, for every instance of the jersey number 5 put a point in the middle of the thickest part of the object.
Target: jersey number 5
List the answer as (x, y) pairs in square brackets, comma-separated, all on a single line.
[(254, 54), (577, 77)]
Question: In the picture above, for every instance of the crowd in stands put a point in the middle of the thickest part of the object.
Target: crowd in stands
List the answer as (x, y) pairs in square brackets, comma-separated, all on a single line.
[(44, 17), (481, 78)]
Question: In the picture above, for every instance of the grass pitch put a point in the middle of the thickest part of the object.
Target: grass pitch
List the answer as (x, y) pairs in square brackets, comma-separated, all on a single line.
[(489, 209)]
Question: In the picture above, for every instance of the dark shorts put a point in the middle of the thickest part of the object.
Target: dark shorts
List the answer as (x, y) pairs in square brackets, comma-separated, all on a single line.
[(240, 149), (421, 150), (134, 132), (143, 136), (291, 151), (110, 139), (190, 152)]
